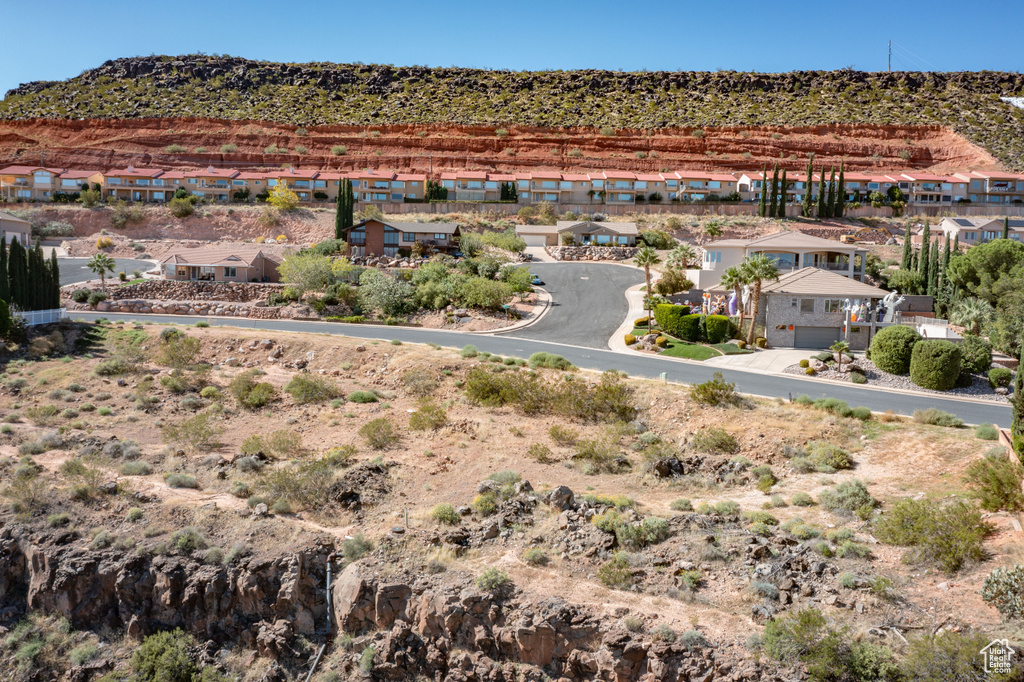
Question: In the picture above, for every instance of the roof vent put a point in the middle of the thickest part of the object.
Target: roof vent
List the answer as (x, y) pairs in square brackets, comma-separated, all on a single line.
[(131, 169), (369, 171), (209, 169)]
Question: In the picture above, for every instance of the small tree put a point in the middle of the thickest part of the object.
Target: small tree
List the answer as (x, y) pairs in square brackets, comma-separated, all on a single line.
[(306, 270), (805, 204), (841, 191), (762, 208), (781, 213), (838, 348), (283, 198), (101, 264), (757, 268), (830, 211), (1006, 227), (645, 258), (822, 201), (773, 206)]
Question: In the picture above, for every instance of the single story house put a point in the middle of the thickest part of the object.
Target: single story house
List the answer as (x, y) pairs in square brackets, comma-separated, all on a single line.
[(221, 265), (791, 251), (384, 238), (971, 231), (582, 233), (12, 227), (807, 308)]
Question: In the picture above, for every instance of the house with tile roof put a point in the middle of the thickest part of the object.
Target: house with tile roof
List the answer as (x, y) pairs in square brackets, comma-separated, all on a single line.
[(28, 183), (388, 238), (971, 231), (221, 265), (790, 251), (136, 184), (585, 233), (994, 187)]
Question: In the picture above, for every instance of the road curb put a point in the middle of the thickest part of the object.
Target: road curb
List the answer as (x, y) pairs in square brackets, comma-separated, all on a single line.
[(543, 296)]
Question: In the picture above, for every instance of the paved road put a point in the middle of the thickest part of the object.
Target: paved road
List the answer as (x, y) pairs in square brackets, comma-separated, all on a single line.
[(73, 270), (769, 385), (588, 302)]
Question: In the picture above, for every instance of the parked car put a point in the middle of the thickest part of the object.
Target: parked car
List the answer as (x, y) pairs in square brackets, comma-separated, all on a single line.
[(536, 281)]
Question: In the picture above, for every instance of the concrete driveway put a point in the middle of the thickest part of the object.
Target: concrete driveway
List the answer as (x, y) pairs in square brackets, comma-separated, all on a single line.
[(768, 360), (588, 302), (74, 270)]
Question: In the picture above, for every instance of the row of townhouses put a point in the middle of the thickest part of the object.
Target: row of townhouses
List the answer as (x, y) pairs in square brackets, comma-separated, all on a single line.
[(30, 183)]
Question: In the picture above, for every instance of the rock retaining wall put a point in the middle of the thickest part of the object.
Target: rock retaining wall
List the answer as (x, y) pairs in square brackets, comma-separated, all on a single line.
[(174, 290), (617, 253), (141, 306)]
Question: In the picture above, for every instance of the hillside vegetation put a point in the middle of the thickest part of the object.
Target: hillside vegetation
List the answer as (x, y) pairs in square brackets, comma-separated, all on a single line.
[(345, 94)]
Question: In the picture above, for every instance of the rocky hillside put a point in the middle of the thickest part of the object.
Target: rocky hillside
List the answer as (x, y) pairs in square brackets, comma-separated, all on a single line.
[(344, 94)]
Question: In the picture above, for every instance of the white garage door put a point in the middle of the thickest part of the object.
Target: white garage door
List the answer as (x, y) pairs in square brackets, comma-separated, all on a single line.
[(816, 337), (535, 239)]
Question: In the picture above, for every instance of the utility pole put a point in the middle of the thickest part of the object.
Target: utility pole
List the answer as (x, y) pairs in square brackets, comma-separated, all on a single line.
[(890, 57)]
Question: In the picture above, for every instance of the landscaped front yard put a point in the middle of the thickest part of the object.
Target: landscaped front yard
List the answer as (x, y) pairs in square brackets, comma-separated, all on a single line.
[(677, 348)]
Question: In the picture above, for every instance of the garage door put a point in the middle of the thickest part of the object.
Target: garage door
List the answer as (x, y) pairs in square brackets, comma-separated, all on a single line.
[(535, 239), (816, 337)]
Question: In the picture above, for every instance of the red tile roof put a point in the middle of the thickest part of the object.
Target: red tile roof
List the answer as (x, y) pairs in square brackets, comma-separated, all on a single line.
[(136, 172), (546, 175), (575, 177), (649, 177), (501, 177), (411, 177), (76, 174), (25, 170), (249, 175), (924, 177)]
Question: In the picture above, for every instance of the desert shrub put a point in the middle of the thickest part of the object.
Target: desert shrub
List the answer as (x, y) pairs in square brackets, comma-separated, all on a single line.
[(550, 361), (43, 415), (935, 364), (828, 457), (539, 452), (609, 399), (999, 377), (210, 393), (240, 489), (419, 382), (194, 433), (986, 432), (429, 416), (187, 540), (892, 347), (947, 535), (469, 352), (445, 513), (833, 405), (179, 480), (564, 435), (849, 496), (379, 434), (356, 547), (949, 657), (1004, 589), (307, 388), (936, 417), (715, 440), (802, 500), (249, 393), (996, 482), (975, 353), (362, 397), (714, 392), (492, 580), (535, 556), (616, 573), (681, 504), (164, 657), (136, 468)]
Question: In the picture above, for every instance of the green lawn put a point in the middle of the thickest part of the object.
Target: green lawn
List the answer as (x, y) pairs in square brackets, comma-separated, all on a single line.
[(731, 349), (684, 349)]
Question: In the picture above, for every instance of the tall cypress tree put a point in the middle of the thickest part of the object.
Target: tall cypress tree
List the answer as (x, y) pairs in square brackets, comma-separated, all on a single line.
[(17, 274), (40, 278), (945, 259), (822, 205), (1006, 227), (5, 286), (926, 243), (933, 270), (956, 243), (841, 191), (54, 280), (762, 208), (831, 209), (915, 260), (782, 196), (339, 208), (774, 206), (805, 204), (907, 251)]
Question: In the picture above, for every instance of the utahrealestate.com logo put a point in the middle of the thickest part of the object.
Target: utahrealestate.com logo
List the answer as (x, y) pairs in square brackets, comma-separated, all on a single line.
[(998, 656)]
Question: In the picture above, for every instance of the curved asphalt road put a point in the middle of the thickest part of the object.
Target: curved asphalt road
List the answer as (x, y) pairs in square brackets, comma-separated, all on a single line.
[(588, 303), (754, 383), (74, 270)]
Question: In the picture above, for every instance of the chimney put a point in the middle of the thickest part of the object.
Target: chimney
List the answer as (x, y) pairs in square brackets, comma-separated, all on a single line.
[(131, 169), (209, 169)]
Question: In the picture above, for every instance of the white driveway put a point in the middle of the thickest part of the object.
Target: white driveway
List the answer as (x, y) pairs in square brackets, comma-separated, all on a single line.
[(772, 360), (539, 254)]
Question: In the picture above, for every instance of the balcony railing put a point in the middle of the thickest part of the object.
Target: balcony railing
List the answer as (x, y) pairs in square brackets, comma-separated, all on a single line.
[(837, 267)]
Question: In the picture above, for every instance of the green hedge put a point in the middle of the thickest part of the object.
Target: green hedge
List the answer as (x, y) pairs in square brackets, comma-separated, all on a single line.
[(669, 316), (935, 364), (976, 353), (689, 327), (720, 328), (892, 347)]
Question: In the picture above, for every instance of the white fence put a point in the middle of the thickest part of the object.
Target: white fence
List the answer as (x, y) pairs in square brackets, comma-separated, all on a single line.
[(34, 317)]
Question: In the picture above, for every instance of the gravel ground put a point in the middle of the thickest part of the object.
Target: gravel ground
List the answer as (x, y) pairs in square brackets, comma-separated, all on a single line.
[(876, 377)]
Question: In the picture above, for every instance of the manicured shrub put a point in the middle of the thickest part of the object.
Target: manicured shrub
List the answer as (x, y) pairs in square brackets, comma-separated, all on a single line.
[(630, 339), (892, 347), (999, 377), (719, 328), (935, 364), (642, 321), (976, 354), (947, 535), (858, 378), (661, 341), (80, 295), (1004, 589), (805, 363), (669, 318)]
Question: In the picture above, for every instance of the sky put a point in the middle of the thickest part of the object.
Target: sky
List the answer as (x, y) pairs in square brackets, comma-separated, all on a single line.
[(59, 39)]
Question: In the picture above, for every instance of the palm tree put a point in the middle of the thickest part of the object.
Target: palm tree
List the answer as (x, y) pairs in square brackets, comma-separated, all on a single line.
[(971, 313), (734, 278), (646, 257), (757, 268), (681, 257), (101, 264), (838, 348)]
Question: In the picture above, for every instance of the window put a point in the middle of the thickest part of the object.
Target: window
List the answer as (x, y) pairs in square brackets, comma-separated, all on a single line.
[(169, 271), (380, 184), (975, 184), (833, 305), (622, 184), (491, 185), (439, 236), (411, 195), (408, 237), (548, 184), (624, 197), (207, 272), (68, 183), (807, 305), (872, 185), (182, 271), (398, 184), (448, 184), (672, 183), (793, 302), (714, 184), (230, 272), (158, 196), (238, 183), (712, 256), (198, 194), (598, 183), (640, 184), (41, 178), (380, 197), (320, 184), (357, 237), (301, 184), (390, 238), (603, 238), (623, 240), (550, 197), (191, 181), (524, 184), (474, 184), (565, 185), (113, 181), (396, 197)]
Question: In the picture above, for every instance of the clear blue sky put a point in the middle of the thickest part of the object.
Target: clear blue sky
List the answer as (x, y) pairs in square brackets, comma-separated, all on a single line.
[(58, 39)]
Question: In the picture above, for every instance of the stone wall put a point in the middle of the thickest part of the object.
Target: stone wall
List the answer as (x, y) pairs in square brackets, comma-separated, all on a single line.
[(142, 306), (171, 290), (617, 253)]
